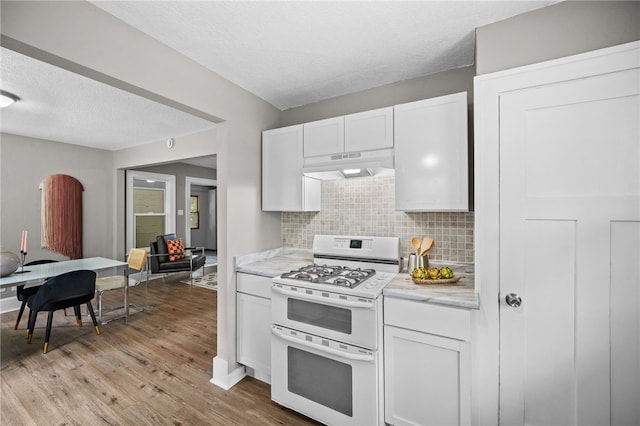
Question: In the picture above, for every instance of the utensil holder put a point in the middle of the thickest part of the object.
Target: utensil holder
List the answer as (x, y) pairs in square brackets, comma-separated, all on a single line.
[(416, 262)]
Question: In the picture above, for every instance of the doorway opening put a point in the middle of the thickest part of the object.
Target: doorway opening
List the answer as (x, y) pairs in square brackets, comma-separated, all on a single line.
[(201, 230)]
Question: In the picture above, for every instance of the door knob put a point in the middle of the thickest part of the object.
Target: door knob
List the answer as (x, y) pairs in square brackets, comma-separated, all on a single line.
[(513, 300)]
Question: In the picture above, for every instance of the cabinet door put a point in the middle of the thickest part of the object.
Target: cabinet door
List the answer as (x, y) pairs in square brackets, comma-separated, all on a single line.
[(369, 130), (431, 159), (284, 188), (254, 334), (324, 137), (427, 379)]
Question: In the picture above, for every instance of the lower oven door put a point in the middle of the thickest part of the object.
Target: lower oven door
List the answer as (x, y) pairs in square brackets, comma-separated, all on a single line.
[(331, 382), (335, 316)]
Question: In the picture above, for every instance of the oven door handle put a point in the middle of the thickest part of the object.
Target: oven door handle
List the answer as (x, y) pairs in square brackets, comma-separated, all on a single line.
[(341, 354), (325, 300)]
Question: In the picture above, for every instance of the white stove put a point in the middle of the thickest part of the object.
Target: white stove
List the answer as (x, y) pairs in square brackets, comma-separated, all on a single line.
[(326, 346), (356, 266)]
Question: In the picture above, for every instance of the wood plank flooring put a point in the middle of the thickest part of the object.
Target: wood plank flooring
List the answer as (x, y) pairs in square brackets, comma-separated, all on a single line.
[(153, 371)]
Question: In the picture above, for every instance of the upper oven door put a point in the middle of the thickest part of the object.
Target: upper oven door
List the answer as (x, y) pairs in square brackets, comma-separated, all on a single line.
[(334, 316)]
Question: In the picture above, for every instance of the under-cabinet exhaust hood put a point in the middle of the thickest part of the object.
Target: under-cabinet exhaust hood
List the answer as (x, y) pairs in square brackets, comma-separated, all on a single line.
[(351, 164)]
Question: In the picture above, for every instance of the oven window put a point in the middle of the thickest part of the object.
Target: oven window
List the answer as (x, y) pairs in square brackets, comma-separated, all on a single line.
[(319, 315), (322, 380)]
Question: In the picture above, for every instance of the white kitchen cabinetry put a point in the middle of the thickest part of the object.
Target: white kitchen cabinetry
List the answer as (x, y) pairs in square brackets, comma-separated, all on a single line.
[(363, 131), (426, 364), (254, 324), (284, 187), (324, 137), (369, 130), (431, 154)]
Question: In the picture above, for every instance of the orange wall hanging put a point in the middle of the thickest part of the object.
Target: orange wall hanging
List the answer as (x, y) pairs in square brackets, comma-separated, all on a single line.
[(61, 215)]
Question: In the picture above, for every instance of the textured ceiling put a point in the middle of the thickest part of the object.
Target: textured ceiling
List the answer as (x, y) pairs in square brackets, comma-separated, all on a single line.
[(289, 53), (59, 105), (292, 53)]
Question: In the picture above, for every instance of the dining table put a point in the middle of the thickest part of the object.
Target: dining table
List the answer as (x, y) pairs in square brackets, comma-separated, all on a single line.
[(34, 275)]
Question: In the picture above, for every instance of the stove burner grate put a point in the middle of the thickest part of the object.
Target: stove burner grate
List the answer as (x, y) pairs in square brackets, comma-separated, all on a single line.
[(331, 275)]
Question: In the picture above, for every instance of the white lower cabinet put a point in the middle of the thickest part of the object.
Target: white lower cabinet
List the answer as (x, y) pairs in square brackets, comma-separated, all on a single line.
[(254, 325), (426, 371)]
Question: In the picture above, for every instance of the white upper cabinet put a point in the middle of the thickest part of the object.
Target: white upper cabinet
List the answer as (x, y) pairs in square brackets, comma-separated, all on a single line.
[(369, 130), (284, 187), (324, 137), (431, 154), (364, 131)]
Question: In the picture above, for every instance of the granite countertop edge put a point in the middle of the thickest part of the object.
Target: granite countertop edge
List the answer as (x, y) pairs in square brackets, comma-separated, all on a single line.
[(459, 295), (271, 263)]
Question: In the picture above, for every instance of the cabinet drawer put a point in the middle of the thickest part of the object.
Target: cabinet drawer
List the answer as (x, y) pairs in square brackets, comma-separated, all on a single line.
[(256, 285), (444, 321)]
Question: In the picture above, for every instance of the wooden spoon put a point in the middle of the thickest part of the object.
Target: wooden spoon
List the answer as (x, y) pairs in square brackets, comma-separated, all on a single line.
[(415, 242), (427, 244)]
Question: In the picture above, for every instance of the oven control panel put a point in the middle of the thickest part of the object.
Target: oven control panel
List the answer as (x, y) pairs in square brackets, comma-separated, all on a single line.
[(353, 243)]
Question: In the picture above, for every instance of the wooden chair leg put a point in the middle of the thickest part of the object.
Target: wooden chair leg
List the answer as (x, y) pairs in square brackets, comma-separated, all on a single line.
[(24, 303), (47, 334), (32, 323), (93, 317)]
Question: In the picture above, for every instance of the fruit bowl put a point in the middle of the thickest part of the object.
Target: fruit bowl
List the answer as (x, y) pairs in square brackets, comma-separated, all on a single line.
[(433, 275), (438, 281)]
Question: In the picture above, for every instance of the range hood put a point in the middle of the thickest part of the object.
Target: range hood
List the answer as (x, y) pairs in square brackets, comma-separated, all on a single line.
[(351, 164)]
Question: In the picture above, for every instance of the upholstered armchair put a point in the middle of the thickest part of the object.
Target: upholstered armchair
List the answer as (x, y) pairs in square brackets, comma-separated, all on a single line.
[(168, 254)]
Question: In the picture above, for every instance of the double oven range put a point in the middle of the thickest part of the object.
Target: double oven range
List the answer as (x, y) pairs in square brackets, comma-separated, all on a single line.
[(326, 344)]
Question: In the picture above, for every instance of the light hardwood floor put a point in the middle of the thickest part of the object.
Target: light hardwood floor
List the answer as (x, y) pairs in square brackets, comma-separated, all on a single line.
[(153, 371)]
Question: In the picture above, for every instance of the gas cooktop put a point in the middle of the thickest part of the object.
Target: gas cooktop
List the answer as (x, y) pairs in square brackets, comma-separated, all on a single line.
[(331, 275)]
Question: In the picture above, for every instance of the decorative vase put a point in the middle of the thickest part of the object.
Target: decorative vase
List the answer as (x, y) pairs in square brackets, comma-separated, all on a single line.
[(9, 263)]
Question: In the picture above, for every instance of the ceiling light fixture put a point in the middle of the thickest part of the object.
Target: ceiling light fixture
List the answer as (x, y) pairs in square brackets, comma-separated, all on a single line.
[(7, 98)]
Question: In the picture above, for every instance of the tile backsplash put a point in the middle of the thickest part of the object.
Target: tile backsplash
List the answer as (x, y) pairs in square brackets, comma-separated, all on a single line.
[(366, 207)]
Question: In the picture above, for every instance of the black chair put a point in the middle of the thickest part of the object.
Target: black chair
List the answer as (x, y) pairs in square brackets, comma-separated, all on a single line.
[(160, 261), (71, 289), (22, 293)]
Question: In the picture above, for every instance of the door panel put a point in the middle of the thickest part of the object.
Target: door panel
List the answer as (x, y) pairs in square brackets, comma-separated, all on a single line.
[(625, 322), (569, 172)]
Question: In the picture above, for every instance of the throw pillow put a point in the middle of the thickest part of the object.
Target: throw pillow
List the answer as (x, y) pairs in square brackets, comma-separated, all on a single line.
[(175, 249)]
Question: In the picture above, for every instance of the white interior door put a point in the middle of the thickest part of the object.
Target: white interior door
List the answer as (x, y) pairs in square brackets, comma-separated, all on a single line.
[(570, 249)]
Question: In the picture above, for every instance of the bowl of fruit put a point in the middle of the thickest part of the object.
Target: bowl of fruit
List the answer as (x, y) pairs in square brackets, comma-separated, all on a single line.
[(434, 275)]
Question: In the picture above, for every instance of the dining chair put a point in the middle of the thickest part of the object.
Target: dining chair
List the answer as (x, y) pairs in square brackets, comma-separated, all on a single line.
[(23, 293), (135, 260), (67, 290)]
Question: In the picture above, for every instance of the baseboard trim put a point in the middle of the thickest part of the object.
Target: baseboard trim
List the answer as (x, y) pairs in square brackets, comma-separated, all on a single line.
[(9, 304), (221, 375)]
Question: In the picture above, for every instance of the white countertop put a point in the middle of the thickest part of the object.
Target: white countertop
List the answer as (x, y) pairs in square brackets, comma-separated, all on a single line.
[(272, 263), (462, 294)]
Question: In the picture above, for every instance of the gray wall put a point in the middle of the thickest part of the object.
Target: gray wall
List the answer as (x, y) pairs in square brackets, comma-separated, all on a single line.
[(205, 235), (564, 29), (430, 86), (24, 163)]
